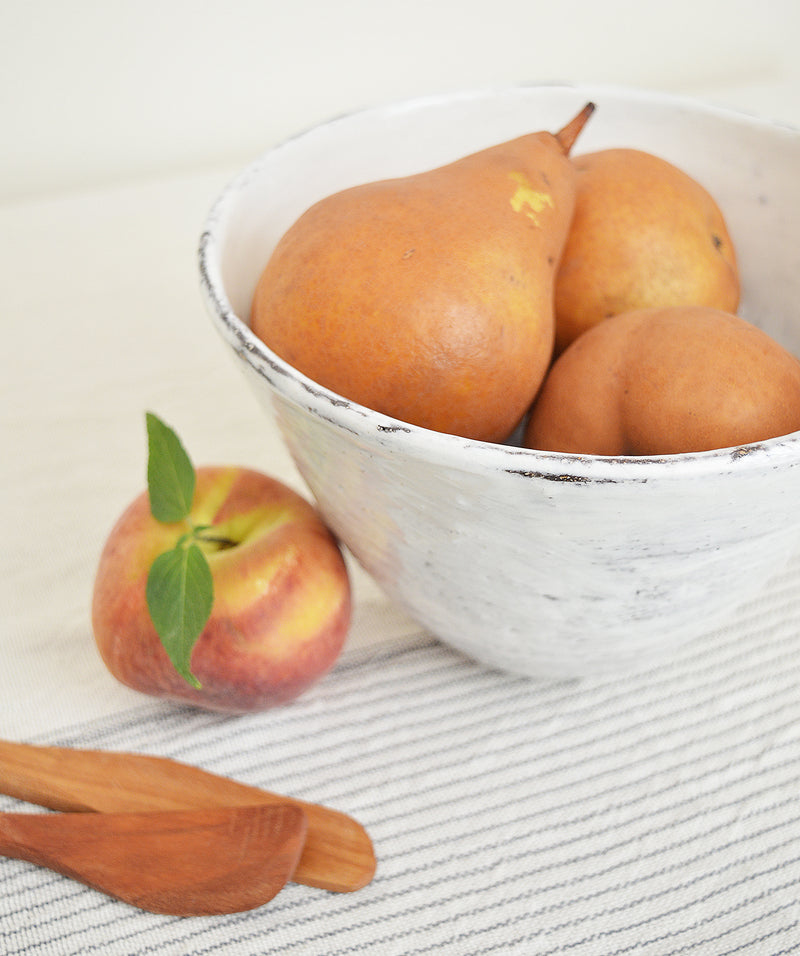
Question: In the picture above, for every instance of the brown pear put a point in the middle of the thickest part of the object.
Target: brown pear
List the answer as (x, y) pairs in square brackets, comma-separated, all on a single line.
[(645, 235), (429, 298), (667, 381)]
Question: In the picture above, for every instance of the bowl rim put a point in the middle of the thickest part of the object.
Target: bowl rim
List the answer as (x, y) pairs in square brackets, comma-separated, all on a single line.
[(416, 441)]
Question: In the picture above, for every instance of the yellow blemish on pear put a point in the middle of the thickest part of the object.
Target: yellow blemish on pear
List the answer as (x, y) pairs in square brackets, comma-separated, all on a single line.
[(527, 199)]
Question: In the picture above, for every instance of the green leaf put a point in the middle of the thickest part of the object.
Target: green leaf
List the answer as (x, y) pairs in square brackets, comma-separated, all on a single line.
[(180, 594), (170, 473)]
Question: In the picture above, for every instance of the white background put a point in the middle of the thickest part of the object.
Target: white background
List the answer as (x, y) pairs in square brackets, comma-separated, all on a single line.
[(95, 92)]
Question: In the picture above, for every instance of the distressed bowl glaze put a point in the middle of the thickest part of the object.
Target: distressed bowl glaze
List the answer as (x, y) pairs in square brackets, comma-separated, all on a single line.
[(540, 564)]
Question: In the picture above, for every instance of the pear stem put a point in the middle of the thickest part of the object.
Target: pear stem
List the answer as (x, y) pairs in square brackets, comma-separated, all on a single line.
[(567, 136)]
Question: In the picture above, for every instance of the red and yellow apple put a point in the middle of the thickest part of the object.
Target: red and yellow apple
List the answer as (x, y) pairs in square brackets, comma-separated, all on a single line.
[(282, 600)]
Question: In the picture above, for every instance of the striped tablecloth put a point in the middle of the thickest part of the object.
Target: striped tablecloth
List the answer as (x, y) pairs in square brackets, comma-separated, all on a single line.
[(655, 814)]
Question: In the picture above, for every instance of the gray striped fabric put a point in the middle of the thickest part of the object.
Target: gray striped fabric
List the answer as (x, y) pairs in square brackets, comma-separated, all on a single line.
[(656, 814)]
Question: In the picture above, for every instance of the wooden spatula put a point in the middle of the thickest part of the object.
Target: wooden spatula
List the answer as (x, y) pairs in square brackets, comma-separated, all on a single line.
[(338, 853), (178, 862)]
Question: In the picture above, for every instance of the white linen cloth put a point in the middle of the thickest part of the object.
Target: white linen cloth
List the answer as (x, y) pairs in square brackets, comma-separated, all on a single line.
[(654, 813)]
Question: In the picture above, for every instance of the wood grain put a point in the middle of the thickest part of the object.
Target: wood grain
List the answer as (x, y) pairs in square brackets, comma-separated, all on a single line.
[(178, 862)]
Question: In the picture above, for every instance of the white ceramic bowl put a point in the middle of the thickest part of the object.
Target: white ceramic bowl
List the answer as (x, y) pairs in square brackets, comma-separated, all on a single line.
[(541, 564)]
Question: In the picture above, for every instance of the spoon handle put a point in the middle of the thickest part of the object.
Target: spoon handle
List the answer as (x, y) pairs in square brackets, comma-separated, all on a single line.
[(338, 854)]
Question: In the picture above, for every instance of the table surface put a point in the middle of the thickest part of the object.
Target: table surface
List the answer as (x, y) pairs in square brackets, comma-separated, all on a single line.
[(654, 813)]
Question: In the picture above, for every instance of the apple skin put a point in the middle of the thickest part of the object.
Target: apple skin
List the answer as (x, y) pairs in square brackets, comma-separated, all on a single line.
[(282, 599)]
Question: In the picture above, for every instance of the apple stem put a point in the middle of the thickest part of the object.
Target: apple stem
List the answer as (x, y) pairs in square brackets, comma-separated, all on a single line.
[(221, 540)]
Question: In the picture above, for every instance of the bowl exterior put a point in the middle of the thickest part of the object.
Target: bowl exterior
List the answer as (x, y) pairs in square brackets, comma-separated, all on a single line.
[(538, 564)]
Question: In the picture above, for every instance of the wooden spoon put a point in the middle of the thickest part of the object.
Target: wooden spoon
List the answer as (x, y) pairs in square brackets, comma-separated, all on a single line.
[(179, 862), (338, 853)]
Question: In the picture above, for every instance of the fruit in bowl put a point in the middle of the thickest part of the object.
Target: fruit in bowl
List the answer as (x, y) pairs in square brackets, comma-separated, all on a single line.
[(471, 276), (666, 382), (430, 297), (645, 234)]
